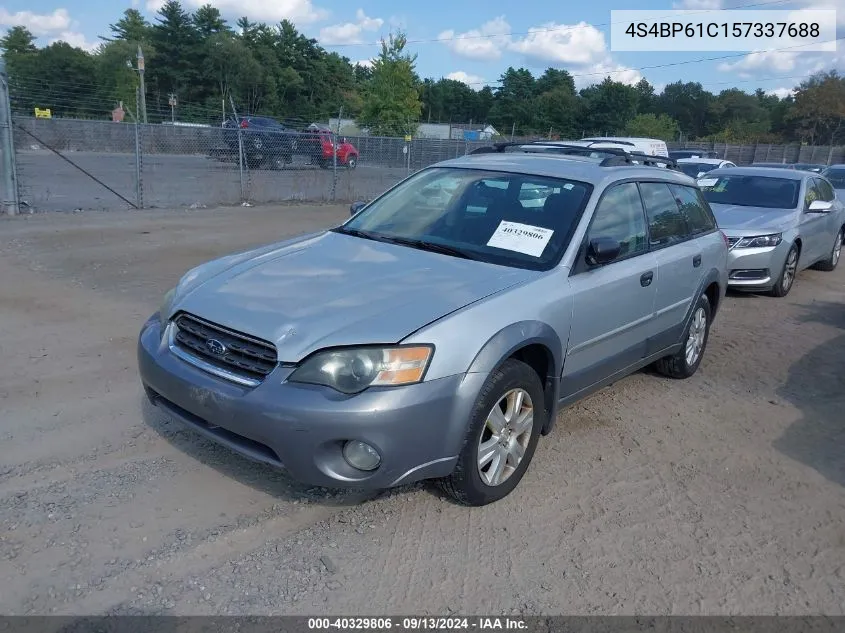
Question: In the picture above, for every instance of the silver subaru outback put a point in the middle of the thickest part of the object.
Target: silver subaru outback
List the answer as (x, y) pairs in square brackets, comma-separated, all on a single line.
[(437, 332)]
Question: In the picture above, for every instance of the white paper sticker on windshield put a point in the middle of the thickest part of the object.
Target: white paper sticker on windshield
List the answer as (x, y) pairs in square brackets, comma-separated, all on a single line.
[(707, 182), (521, 238)]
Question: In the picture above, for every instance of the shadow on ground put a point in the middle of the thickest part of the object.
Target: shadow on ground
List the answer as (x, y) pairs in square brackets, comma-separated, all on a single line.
[(816, 386)]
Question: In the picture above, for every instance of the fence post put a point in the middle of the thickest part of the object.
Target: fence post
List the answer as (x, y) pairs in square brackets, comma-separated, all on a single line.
[(334, 154), (240, 149), (10, 200), (139, 184)]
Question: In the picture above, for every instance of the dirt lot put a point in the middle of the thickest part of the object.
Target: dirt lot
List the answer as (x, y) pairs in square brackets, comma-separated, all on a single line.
[(724, 494)]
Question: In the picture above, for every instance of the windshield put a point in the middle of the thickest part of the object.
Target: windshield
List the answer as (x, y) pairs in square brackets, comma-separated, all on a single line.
[(501, 218), (696, 169), (751, 191), (836, 176)]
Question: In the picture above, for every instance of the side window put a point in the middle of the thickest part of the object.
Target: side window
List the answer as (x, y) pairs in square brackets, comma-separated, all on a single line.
[(825, 190), (812, 193), (695, 209), (619, 215), (666, 223)]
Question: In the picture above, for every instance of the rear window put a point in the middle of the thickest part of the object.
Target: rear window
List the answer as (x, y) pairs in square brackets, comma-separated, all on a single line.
[(696, 169), (836, 176), (751, 191)]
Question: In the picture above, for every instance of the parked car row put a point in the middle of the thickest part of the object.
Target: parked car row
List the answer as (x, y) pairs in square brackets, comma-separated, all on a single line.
[(438, 331)]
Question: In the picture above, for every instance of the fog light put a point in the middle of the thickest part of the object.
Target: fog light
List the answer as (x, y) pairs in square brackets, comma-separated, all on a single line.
[(361, 455)]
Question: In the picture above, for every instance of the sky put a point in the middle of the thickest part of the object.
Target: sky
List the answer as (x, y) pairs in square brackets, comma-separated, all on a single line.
[(474, 41)]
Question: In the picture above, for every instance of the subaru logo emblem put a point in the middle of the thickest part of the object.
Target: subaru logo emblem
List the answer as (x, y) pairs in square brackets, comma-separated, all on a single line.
[(215, 347)]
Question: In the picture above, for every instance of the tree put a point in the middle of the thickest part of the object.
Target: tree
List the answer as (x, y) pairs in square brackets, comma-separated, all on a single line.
[(392, 102), (646, 99), (819, 110), (740, 113), (208, 21), (18, 41), (177, 67), (132, 27), (689, 104), (608, 107), (512, 107), (651, 125)]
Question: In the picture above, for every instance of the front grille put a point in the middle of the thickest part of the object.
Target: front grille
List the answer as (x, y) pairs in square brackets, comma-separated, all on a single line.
[(732, 241), (223, 348)]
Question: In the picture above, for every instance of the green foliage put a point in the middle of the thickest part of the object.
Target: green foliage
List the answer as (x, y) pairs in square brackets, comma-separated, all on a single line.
[(277, 71), (391, 101), (650, 125)]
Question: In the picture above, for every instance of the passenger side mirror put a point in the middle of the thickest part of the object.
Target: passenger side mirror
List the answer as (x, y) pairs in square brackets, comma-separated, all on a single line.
[(602, 250), (820, 206), (355, 207)]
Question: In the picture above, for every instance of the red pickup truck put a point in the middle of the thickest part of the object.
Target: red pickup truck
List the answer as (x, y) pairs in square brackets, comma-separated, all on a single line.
[(347, 153)]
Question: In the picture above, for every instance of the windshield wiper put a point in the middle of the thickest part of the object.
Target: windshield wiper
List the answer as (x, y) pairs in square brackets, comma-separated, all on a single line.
[(358, 233), (428, 246)]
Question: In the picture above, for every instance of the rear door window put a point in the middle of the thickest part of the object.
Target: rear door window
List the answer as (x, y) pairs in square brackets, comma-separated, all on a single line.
[(666, 223), (696, 211)]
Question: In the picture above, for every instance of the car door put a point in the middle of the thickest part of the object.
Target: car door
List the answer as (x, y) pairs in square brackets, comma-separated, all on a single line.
[(678, 258), (613, 304), (813, 226)]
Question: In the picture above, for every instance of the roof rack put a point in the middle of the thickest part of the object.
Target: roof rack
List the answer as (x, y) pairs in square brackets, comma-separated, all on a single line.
[(618, 157)]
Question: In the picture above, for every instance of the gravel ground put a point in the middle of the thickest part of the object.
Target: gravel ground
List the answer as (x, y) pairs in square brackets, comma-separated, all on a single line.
[(723, 494)]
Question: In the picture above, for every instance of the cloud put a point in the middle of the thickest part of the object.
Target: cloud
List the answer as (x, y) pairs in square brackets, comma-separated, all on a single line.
[(578, 44), (781, 93), (39, 24), (486, 43), (607, 68), (703, 5), (350, 32), (297, 11), (364, 63), (76, 39), (762, 62), (473, 81)]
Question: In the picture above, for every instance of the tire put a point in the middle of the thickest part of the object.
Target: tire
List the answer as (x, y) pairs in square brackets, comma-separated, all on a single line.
[(685, 362), (351, 161), (472, 483), (787, 276), (832, 261)]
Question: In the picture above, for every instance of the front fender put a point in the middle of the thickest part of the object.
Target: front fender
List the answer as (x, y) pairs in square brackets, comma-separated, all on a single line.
[(514, 337)]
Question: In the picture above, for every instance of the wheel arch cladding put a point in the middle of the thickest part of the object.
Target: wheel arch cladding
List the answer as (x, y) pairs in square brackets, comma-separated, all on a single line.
[(709, 287), (534, 343)]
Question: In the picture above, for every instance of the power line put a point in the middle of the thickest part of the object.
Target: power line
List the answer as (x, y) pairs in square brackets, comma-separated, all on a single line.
[(564, 29)]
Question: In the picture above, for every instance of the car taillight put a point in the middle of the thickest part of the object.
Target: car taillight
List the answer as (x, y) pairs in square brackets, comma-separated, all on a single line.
[(244, 124)]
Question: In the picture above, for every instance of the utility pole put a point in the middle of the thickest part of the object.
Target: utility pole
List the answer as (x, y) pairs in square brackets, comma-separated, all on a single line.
[(171, 100), (10, 202), (143, 90)]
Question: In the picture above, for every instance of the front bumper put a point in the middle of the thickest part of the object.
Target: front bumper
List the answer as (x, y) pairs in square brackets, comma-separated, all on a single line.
[(417, 429), (756, 268)]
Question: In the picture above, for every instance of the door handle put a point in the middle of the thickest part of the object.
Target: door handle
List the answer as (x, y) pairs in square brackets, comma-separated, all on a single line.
[(696, 261), (645, 279)]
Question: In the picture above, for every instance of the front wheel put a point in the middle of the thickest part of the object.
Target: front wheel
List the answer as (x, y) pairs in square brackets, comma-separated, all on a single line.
[(504, 428), (787, 276), (684, 363), (351, 161), (831, 262)]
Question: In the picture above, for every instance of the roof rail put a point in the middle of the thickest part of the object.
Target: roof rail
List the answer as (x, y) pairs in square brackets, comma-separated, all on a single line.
[(618, 156)]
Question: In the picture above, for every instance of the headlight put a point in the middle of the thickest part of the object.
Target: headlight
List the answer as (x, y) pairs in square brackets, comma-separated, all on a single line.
[(352, 370), (164, 310), (759, 241)]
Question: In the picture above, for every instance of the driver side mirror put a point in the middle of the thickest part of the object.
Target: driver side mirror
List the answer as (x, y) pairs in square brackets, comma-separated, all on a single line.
[(820, 206), (355, 207), (602, 250)]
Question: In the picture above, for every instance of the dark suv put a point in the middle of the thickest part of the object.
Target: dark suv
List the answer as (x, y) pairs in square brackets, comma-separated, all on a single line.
[(269, 143)]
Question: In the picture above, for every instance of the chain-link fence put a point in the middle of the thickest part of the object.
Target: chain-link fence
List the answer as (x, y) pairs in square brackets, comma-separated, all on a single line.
[(66, 164)]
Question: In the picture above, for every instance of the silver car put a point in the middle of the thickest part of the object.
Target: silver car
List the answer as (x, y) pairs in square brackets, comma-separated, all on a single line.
[(778, 222), (436, 333)]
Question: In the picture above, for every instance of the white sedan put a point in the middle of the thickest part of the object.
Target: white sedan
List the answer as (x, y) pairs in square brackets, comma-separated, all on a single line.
[(697, 167)]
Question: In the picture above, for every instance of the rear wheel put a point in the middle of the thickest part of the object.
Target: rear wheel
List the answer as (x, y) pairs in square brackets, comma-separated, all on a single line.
[(832, 261), (787, 276), (684, 363), (504, 428)]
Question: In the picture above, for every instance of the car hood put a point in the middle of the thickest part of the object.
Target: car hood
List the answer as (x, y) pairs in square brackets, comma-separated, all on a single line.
[(330, 289), (743, 218)]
